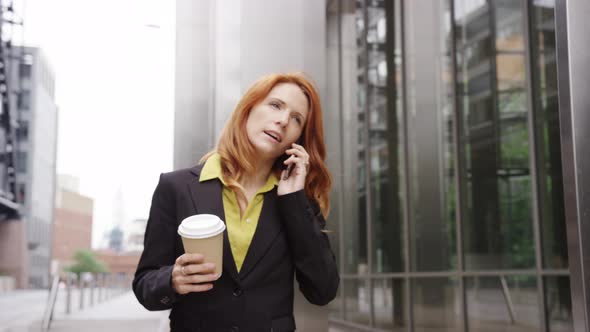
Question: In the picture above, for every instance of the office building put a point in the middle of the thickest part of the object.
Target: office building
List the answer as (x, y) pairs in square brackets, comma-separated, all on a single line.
[(221, 48), (455, 167), (36, 156), (35, 118)]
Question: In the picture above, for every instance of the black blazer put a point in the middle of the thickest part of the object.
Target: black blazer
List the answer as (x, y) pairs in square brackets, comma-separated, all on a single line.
[(288, 241)]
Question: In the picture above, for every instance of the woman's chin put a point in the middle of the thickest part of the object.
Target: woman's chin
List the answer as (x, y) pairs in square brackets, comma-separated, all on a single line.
[(267, 154)]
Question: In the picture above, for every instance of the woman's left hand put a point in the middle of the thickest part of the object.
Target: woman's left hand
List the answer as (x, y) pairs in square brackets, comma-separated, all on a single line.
[(293, 177)]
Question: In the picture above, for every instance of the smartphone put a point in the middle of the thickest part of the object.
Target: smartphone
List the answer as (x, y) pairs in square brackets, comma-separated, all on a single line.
[(285, 157)]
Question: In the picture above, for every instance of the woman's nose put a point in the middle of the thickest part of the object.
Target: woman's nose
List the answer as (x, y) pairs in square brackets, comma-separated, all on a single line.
[(282, 118)]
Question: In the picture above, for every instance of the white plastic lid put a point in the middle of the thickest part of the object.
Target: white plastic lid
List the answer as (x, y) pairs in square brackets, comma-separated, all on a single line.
[(200, 226)]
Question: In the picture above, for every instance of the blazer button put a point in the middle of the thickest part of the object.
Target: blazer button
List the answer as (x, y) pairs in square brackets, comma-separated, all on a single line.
[(237, 293)]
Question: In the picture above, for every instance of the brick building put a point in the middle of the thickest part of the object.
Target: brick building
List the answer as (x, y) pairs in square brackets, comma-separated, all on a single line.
[(72, 228), (119, 263)]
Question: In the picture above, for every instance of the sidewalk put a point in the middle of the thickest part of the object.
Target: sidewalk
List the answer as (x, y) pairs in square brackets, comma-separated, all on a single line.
[(18, 309), (22, 311), (122, 313)]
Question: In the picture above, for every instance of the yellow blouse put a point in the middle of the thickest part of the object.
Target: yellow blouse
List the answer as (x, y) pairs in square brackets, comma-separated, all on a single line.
[(240, 231)]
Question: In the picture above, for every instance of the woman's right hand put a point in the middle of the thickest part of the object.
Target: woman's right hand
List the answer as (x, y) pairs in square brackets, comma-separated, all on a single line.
[(192, 274)]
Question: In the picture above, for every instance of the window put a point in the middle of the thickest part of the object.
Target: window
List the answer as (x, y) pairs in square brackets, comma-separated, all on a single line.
[(22, 132), (23, 101), (24, 70), (21, 161)]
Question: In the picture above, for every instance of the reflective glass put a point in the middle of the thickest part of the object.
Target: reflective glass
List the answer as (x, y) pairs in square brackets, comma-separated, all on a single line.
[(497, 222), (389, 304), (356, 301), (558, 303), (430, 121), (352, 176), (436, 305), (385, 136), (499, 303), (332, 128), (335, 307), (552, 210), (509, 26), (494, 143), (510, 72)]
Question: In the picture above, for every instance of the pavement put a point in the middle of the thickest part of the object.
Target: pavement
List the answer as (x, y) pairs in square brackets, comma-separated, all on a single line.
[(22, 311), (18, 309), (122, 313)]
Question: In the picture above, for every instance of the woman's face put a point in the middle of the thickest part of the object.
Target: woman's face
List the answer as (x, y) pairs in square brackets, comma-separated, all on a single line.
[(278, 121)]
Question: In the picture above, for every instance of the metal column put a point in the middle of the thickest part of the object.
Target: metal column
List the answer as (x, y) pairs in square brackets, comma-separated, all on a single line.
[(574, 107)]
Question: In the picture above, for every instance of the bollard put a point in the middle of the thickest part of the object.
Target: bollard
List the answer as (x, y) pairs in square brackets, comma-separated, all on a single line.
[(108, 286), (100, 286), (119, 284), (111, 286), (81, 288), (105, 286), (92, 287), (68, 292)]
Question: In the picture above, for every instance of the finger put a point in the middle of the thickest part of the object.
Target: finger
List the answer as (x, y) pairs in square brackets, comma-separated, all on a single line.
[(298, 146), (196, 279), (291, 160), (294, 167), (190, 288), (181, 279), (297, 161), (194, 259), (298, 152), (302, 155), (202, 278), (204, 268), (190, 258), (176, 270)]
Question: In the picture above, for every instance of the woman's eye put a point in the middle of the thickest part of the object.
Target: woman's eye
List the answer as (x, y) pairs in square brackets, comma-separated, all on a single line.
[(276, 106), (298, 119)]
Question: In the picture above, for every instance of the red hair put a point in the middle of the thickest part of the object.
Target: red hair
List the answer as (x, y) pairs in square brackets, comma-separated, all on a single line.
[(237, 152)]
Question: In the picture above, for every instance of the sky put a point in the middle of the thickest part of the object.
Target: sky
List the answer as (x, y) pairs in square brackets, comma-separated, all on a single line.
[(114, 67)]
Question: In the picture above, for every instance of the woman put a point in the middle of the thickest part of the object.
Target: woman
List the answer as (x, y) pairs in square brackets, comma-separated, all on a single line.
[(267, 180)]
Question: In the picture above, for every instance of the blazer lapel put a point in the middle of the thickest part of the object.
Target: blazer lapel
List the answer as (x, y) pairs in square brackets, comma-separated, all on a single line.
[(266, 231), (207, 198)]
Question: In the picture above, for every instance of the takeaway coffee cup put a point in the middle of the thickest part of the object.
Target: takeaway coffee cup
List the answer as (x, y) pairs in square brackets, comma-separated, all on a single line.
[(203, 234)]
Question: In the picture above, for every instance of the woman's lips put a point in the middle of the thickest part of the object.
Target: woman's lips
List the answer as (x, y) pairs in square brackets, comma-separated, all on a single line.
[(273, 135)]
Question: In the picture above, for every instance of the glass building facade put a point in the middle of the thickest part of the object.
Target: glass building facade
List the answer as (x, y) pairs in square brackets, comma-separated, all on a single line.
[(443, 134)]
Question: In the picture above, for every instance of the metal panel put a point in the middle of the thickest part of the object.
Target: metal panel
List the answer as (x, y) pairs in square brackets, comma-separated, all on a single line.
[(461, 203), (574, 102), (193, 100), (406, 212), (367, 156), (534, 161)]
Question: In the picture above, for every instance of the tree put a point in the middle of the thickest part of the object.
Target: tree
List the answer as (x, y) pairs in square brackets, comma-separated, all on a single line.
[(86, 261)]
